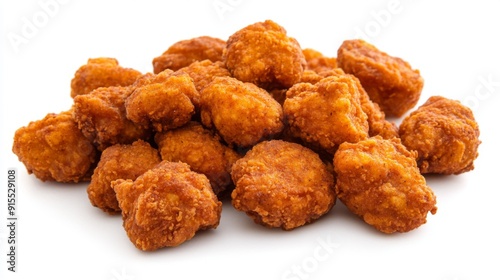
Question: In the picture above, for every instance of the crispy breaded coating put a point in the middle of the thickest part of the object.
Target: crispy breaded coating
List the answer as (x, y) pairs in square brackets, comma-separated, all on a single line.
[(327, 113), (203, 72), (445, 135), (282, 184), (263, 54), (185, 52), (166, 206), (54, 149), (101, 117), (310, 76), (389, 81), (101, 72), (202, 150), (162, 101), (119, 162), (317, 62), (378, 180), (242, 113)]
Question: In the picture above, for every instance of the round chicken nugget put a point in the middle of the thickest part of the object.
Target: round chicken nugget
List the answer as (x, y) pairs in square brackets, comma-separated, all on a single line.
[(327, 113), (185, 52), (101, 72), (389, 81), (242, 113), (263, 54), (54, 149), (282, 184), (378, 180), (317, 62), (164, 105), (166, 206), (198, 147), (445, 135), (119, 162), (203, 72)]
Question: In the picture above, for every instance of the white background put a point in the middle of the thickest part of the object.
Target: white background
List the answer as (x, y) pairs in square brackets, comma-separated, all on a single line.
[(61, 236)]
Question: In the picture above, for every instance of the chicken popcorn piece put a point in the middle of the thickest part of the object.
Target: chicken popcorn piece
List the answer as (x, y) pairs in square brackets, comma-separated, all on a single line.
[(102, 118), (119, 162), (54, 149), (242, 113), (263, 54), (378, 180), (203, 72), (185, 52), (166, 206), (389, 81), (101, 72), (445, 135), (317, 62), (327, 113), (202, 150)]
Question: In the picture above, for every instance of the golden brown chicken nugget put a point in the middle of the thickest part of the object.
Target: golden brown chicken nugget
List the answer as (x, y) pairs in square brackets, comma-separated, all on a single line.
[(263, 54), (378, 180), (54, 149), (166, 206), (242, 113), (317, 62), (119, 162), (203, 72), (101, 72), (445, 135), (282, 184), (202, 150), (389, 81), (185, 52)]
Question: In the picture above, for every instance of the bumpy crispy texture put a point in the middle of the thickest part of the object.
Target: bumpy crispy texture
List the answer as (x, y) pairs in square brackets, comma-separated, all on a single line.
[(378, 180), (263, 54), (445, 135), (102, 118), (185, 52), (282, 184), (202, 150), (327, 113), (242, 113), (317, 62), (389, 81), (310, 76), (162, 102), (101, 72), (119, 162), (54, 149), (166, 206), (203, 72)]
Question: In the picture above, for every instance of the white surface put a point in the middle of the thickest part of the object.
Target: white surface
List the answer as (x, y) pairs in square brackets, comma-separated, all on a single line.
[(61, 236)]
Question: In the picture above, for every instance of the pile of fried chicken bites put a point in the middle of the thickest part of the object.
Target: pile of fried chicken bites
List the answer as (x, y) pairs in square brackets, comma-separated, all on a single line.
[(283, 131)]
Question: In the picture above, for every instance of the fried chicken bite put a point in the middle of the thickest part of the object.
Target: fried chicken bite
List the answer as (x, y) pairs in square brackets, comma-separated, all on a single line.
[(378, 180), (263, 54), (282, 184), (54, 149), (185, 52), (317, 62), (101, 72), (101, 117), (445, 135), (119, 162), (203, 72), (242, 113), (389, 81), (202, 150), (162, 101), (166, 206), (327, 113)]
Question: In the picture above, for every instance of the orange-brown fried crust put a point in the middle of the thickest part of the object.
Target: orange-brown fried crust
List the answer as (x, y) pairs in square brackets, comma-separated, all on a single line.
[(378, 180), (119, 162), (263, 54), (445, 135), (202, 150), (282, 184), (185, 52), (166, 206), (101, 72), (203, 72), (54, 149), (389, 81), (242, 113), (317, 62)]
